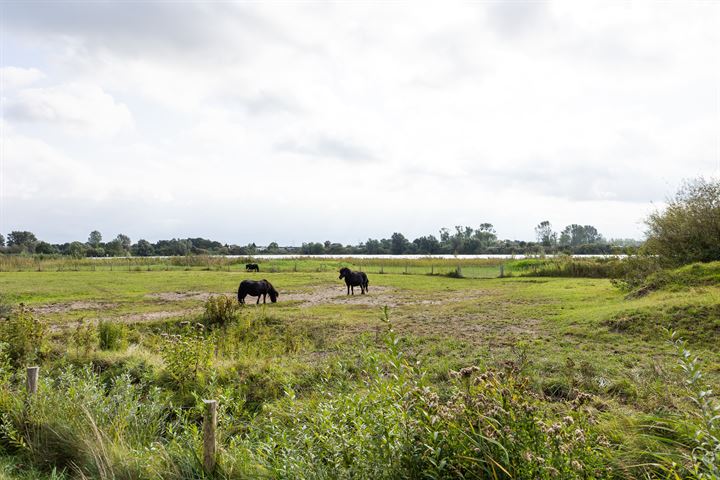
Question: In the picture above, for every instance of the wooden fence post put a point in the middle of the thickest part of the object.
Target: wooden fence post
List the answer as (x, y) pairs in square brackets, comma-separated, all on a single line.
[(32, 379), (502, 271), (209, 426)]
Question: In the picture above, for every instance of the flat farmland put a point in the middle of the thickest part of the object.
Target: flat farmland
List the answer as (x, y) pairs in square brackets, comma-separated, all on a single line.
[(565, 337)]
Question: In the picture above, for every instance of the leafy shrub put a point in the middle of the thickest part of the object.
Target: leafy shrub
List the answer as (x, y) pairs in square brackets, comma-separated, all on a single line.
[(111, 335), (220, 311), (25, 336), (186, 357), (688, 229), (84, 337)]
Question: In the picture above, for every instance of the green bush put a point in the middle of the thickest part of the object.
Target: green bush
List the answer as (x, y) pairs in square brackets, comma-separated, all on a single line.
[(84, 337), (220, 311), (111, 336), (186, 357), (689, 228), (25, 336)]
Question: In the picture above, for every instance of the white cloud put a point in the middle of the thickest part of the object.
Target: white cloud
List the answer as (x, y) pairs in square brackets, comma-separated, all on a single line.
[(77, 108), (14, 77)]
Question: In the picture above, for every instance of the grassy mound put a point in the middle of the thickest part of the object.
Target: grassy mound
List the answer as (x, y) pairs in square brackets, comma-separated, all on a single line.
[(693, 275), (699, 324)]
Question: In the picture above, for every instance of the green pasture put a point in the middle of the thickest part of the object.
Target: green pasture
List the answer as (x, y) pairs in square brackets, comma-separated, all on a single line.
[(565, 335)]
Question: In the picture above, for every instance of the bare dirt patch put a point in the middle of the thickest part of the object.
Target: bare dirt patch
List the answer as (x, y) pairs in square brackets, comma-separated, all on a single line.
[(331, 294), (179, 296), (73, 306)]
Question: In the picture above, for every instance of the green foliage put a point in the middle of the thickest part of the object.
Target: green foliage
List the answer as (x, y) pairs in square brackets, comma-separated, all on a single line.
[(697, 429), (84, 337), (186, 357), (633, 272), (566, 266), (111, 335), (220, 311), (688, 230), (25, 335)]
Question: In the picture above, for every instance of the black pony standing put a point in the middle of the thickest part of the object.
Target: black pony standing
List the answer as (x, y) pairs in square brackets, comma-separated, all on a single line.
[(255, 289), (354, 279)]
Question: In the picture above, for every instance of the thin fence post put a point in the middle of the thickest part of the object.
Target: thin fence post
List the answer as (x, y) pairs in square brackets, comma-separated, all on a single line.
[(32, 379), (209, 426), (502, 271)]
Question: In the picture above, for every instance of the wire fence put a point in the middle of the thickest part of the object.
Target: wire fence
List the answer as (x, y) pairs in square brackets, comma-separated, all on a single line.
[(468, 268)]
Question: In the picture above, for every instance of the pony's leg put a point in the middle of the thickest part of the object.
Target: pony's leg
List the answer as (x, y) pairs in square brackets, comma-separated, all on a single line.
[(258, 301)]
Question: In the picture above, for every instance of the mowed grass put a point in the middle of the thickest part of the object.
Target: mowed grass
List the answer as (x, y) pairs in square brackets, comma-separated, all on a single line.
[(562, 329)]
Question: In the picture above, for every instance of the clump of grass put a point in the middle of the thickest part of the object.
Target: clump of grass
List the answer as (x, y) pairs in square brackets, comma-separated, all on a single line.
[(111, 335)]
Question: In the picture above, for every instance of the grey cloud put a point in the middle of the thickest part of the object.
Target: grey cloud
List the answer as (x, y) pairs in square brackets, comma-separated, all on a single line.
[(515, 18), (328, 147), (141, 28)]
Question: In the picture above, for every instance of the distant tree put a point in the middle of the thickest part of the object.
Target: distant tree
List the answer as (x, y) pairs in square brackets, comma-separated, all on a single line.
[(45, 248), (688, 230), (575, 235), (485, 234), (125, 242), (94, 239), (114, 248), (399, 244), (273, 248), (22, 241), (77, 249), (142, 248), (427, 245), (313, 248), (2, 240), (545, 234), (372, 247)]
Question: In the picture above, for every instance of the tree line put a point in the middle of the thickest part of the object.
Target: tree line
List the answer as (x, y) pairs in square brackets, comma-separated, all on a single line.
[(462, 240)]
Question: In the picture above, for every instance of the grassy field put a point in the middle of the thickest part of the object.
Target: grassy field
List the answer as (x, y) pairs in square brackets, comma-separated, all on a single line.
[(567, 338)]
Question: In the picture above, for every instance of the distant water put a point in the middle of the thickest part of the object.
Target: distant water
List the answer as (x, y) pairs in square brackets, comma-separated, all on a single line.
[(411, 257)]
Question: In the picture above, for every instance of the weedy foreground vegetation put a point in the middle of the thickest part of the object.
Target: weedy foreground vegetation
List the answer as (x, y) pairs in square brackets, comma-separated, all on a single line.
[(562, 373)]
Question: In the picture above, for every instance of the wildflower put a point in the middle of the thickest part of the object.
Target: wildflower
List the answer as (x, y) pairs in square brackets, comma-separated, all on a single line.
[(568, 420), (577, 466)]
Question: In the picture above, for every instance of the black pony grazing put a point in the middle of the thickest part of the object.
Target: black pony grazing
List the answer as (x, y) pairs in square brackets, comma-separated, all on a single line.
[(252, 267), (354, 279), (257, 288)]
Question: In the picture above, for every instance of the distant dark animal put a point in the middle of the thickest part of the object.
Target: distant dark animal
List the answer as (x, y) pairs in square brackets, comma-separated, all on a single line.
[(257, 288), (252, 267), (354, 279)]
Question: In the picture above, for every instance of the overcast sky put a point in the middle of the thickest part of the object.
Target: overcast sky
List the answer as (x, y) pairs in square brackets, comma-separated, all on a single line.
[(312, 121)]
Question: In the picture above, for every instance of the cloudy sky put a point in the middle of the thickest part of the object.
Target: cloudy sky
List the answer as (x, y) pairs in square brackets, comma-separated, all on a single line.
[(295, 122)]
